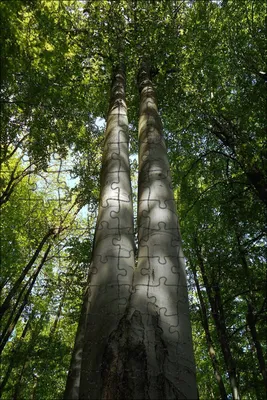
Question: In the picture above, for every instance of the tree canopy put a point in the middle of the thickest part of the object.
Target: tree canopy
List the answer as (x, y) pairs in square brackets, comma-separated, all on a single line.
[(208, 63)]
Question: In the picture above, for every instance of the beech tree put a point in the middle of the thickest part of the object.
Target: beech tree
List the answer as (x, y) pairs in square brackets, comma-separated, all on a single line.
[(110, 276), (127, 313), (206, 62)]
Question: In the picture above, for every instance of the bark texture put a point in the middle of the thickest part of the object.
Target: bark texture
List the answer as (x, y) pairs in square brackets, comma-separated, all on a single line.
[(112, 264), (159, 309), (134, 339)]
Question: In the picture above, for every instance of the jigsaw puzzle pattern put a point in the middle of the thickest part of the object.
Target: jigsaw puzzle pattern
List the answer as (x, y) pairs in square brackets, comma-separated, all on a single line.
[(153, 297), (113, 258), (160, 283), (114, 246)]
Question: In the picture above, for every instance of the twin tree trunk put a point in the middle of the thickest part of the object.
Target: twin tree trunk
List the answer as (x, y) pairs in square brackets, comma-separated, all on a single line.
[(134, 336)]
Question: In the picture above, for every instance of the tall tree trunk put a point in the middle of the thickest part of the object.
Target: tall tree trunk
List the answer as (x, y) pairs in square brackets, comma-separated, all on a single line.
[(214, 297), (250, 317), (74, 374), (160, 359), (4, 307), (13, 311), (251, 320), (14, 353), (13, 323), (138, 345), (18, 385), (111, 271), (205, 323), (54, 328)]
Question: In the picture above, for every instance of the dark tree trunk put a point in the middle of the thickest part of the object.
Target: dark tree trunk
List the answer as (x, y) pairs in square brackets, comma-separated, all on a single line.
[(256, 175), (12, 325), (252, 327), (14, 354), (250, 317), (34, 337), (214, 297), (22, 276), (205, 323)]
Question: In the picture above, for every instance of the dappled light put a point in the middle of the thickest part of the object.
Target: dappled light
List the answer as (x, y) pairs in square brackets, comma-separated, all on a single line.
[(133, 193)]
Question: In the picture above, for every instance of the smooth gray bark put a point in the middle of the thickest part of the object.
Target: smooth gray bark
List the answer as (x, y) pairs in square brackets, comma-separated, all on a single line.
[(134, 339), (74, 375), (163, 367), (112, 266)]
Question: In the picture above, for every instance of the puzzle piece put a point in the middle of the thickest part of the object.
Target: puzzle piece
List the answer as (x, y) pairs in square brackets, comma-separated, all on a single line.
[(160, 279), (154, 302)]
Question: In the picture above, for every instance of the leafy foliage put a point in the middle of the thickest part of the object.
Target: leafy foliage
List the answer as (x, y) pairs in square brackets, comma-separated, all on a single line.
[(208, 66)]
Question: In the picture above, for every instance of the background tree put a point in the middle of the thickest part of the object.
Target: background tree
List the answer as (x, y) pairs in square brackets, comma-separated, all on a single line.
[(208, 61)]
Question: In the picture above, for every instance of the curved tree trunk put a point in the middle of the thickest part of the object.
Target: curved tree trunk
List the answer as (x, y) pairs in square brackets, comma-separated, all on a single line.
[(162, 364), (112, 265)]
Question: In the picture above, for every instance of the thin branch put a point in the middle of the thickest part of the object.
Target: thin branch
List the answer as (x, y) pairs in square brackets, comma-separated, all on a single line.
[(205, 155)]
